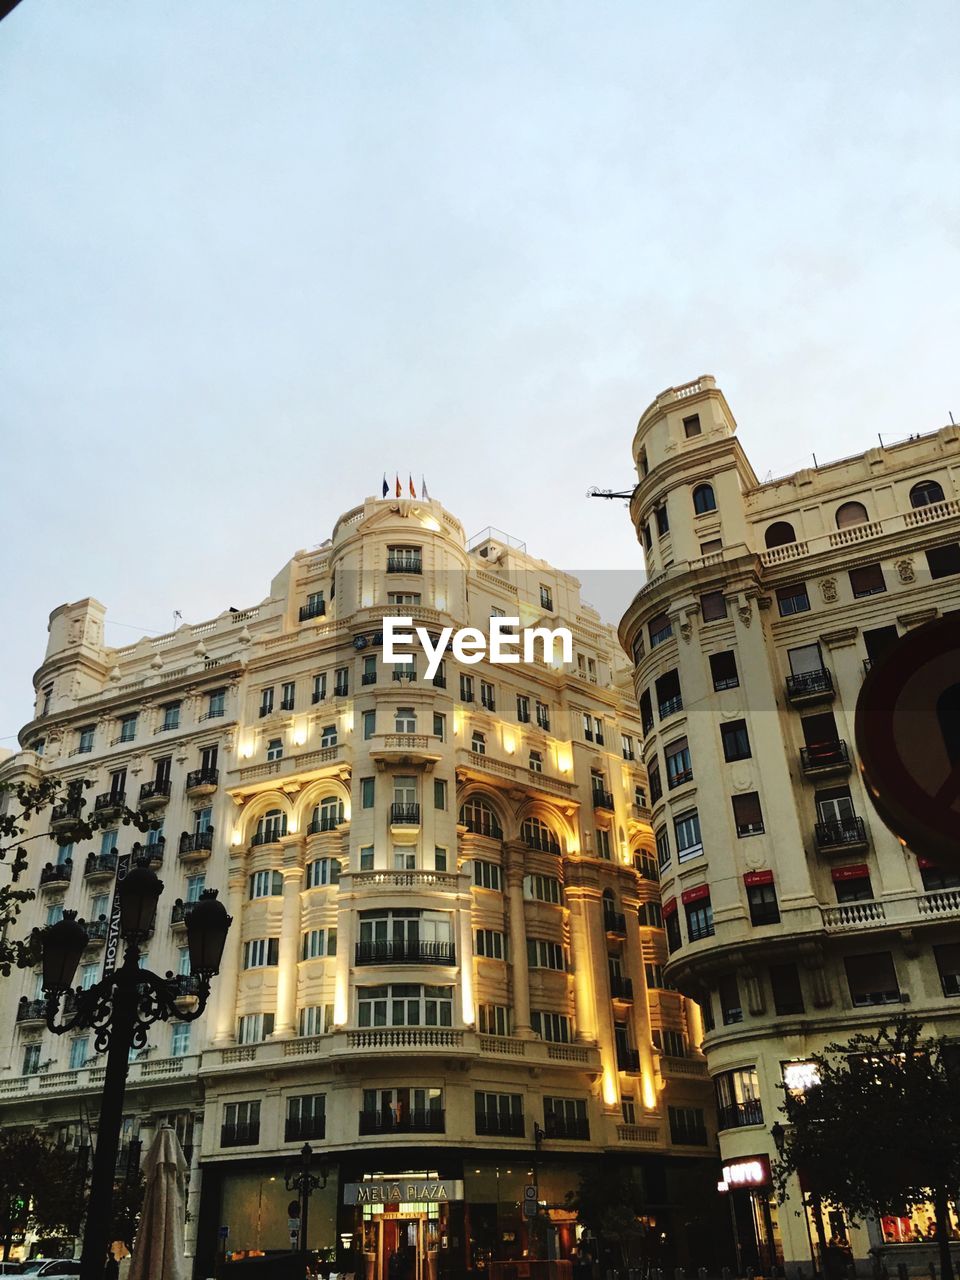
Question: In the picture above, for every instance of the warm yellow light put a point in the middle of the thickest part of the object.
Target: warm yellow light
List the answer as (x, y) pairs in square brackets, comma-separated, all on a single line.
[(457, 719), (430, 522), (649, 1092), (300, 735), (609, 1089), (348, 722), (509, 742), (346, 810), (573, 844), (246, 751), (564, 761), (292, 827), (237, 837), (340, 1001)]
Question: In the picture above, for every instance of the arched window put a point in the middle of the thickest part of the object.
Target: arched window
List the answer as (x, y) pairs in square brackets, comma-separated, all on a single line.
[(478, 743), (535, 834), (851, 513), (271, 827), (779, 534), (480, 817), (924, 492), (703, 499), (327, 815)]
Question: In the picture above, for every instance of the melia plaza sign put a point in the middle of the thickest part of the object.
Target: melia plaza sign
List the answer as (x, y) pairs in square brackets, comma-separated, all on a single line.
[(403, 1191)]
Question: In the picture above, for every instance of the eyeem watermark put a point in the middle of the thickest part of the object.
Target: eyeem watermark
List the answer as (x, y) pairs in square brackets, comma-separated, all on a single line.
[(506, 644)]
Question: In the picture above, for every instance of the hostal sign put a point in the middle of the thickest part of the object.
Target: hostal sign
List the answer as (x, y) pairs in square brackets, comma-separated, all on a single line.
[(402, 1190)]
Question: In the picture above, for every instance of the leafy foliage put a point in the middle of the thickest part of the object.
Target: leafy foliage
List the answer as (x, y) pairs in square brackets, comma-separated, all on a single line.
[(25, 802), (39, 1186), (611, 1204), (881, 1131)]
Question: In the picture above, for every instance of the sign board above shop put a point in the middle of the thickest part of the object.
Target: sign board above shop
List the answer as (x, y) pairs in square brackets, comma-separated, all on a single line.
[(403, 1191)]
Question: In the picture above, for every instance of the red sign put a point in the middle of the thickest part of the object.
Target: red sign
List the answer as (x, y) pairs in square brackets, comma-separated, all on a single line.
[(695, 895), (745, 1171), (669, 907), (908, 738), (850, 873), (758, 877)]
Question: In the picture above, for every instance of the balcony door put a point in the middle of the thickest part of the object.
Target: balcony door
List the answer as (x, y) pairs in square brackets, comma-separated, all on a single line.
[(405, 791), (835, 805), (804, 659)]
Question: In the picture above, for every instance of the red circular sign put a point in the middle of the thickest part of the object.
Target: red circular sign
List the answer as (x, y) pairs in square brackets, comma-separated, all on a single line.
[(908, 739)]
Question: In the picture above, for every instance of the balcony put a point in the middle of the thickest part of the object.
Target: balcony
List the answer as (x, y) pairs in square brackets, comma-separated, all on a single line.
[(154, 794), (439, 681), (31, 1012), (621, 988), (840, 836), (416, 1121), (810, 686), (543, 844), (404, 815), (405, 673), (628, 1060), (179, 912), (740, 1114), (97, 932), (56, 873), (668, 707), (150, 854), (304, 1128), (110, 804), (66, 815), (99, 866), (615, 924), (240, 1135), (318, 609), (342, 689), (500, 1126), (368, 677), (405, 951), (570, 1128), (825, 758), (602, 799), (195, 846), (404, 564), (202, 782), (327, 823), (213, 713)]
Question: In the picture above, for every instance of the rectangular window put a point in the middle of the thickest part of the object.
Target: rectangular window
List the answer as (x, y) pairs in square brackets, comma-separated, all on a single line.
[(566, 1118), (275, 749), (762, 901), (288, 696), (713, 606), (316, 1020), (723, 669), (944, 561), (319, 688), (543, 715), (499, 1113), (868, 580), (735, 740), (266, 701), (551, 1026), (672, 925), (660, 629), (872, 979), (731, 1008), (254, 1027), (947, 956), (626, 746), (439, 726), (31, 1059), (686, 827), (128, 727), (535, 762), (491, 944), (852, 884), (439, 859), (691, 426), (195, 887), (258, 953), (179, 1039), (793, 599), (369, 674), (85, 742), (488, 695), (486, 875), (653, 778), (669, 696), (306, 1118), (494, 1020), (654, 976), (541, 888), (523, 708), (687, 1126), (786, 988), (341, 682), (546, 597), (699, 919), (241, 1124), (466, 687), (171, 716), (366, 793), (650, 915), (738, 1098), (439, 793), (603, 843), (679, 764), (747, 814), (646, 711), (663, 521), (544, 954), (79, 1049), (878, 640), (369, 723), (366, 857)]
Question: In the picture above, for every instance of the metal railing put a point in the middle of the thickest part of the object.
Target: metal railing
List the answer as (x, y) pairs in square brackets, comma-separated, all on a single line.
[(808, 684), (156, 789), (202, 778), (737, 1115), (196, 841), (405, 951), (500, 1126), (316, 610), (570, 1127), (825, 755), (841, 831), (404, 815), (419, 1120)]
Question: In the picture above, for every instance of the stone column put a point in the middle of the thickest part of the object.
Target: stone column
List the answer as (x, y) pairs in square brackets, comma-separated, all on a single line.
[(193, 1194), (513, 871), (285, 1022), (464, 930), (584, 994), (633, 963), (226, 983)]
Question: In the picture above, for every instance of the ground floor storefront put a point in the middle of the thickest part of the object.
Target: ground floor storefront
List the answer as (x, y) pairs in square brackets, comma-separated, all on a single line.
[(421, 1213)]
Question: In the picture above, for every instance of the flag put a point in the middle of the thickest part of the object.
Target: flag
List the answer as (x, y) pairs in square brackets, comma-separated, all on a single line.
[(423, 490), (413, 492), (386, 487), (399, 486)]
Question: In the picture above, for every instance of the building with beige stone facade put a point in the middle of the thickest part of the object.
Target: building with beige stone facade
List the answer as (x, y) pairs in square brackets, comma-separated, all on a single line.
[(793, 915), (445, 969)]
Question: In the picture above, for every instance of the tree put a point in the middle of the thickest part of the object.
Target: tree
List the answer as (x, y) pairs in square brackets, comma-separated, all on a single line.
[(611, 1204), (40, 1186), (880, 1132), (24, 803)]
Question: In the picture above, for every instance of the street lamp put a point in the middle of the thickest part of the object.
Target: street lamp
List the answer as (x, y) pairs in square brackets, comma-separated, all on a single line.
[(120, 1009), (298, 1177)]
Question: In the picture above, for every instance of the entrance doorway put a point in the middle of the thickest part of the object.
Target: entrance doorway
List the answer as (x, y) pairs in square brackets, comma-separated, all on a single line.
[(401, 1242)]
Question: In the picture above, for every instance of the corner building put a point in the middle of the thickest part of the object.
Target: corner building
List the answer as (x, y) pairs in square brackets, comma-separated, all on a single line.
[(445, 970), (793, 916)]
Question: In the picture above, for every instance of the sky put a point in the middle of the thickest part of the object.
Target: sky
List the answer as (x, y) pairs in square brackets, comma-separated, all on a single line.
[(252, 255)]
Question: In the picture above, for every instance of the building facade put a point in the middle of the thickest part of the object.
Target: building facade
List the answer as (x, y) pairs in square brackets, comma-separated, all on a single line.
[(446, 965), (792, 914)]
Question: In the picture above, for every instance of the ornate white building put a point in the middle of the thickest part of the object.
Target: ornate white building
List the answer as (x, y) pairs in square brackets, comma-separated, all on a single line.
[(445, 969), (793, 915)]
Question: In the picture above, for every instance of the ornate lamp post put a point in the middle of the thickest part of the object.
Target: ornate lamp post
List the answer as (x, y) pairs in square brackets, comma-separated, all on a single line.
[(299, 1177), (120, 1009)]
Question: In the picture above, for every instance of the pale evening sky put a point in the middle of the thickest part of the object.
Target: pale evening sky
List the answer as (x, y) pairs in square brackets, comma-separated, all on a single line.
[(253, 254)]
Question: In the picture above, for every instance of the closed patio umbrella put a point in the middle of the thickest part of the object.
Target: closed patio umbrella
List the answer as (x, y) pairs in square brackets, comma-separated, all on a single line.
[(158, 1248)]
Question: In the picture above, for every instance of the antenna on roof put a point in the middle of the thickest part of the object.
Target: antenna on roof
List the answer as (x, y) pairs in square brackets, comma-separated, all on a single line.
[(951, 419), (595, 492)]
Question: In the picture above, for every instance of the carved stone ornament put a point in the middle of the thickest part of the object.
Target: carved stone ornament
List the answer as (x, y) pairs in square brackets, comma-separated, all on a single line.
[(828, 589), (906, 570), (745, 613), (686, 631)]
